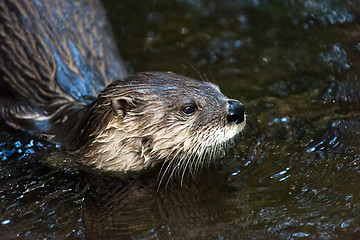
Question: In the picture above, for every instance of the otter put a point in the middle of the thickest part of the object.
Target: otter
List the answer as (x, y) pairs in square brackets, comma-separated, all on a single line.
[(62, 78)]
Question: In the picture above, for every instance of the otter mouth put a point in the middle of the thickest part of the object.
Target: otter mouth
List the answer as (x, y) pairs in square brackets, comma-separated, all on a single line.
[(207, 145), (236, 117)]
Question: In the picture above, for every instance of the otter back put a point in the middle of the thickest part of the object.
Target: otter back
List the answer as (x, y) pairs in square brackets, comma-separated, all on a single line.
[(55, 56)]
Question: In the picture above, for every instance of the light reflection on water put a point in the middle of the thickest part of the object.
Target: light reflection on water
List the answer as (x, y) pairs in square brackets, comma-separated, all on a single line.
[(294, 172)]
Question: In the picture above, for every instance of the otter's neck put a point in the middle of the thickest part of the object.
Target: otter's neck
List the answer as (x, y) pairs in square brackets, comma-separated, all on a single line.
[(113, 149), (105, 143)]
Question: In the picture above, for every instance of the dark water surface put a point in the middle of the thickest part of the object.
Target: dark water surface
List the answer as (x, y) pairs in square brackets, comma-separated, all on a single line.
[(293, 174)]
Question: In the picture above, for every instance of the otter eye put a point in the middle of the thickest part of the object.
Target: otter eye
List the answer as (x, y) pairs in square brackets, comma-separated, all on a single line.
[(188, 110)]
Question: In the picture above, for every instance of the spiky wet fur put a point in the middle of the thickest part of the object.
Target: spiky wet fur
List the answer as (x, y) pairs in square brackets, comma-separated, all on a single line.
[(55, 58), (138, 122)]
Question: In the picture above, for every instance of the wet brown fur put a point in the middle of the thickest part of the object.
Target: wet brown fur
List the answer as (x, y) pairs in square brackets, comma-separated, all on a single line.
[(58, 66)]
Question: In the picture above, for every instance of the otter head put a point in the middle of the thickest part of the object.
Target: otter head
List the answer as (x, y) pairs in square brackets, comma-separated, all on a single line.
[(152, 117)]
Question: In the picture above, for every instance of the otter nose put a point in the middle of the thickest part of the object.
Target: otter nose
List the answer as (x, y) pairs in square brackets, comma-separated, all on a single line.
[(236, 112)]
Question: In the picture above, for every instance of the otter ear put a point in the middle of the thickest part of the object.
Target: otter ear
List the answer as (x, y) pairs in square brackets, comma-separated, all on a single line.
[(121, 105)]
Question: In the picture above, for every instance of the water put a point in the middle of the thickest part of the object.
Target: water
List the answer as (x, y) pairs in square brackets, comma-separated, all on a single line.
[(293, 174)]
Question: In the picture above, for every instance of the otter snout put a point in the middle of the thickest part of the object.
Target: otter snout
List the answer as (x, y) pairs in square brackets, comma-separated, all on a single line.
[(236, 112)]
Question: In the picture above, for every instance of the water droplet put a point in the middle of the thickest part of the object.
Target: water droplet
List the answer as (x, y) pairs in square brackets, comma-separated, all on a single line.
[(5, 222), (301, 234), (18, 144)]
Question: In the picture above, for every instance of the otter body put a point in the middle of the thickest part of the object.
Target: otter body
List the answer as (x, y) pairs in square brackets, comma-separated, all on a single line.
[(62, 78)]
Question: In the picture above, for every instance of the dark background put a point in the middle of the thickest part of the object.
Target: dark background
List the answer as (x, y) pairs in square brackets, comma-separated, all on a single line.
[(293, 174)]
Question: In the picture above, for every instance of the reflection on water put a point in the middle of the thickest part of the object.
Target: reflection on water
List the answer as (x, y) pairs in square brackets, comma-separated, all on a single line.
[(294, 173)]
